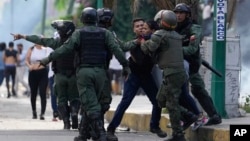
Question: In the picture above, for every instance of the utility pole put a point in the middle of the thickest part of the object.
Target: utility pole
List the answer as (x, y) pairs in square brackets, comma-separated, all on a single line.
[(99, 4), (44, 16), (219, 55)]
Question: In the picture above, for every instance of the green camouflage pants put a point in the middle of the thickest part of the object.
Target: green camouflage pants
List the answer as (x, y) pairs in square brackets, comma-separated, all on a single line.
[(168, 96)]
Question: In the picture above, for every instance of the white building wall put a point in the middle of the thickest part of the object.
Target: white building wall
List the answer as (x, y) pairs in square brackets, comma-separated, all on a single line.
[(233, 68)]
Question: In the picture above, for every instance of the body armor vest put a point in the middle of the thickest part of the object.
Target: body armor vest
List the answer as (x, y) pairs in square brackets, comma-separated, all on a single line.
[(170, 54), (92, 48), (66, 63)]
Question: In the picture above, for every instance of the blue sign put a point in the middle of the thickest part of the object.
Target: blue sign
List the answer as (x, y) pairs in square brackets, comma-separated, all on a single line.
[(221, 9)]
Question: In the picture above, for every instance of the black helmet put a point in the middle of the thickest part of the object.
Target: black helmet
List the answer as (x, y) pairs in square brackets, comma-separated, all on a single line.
[(182, 7), (65, 28), (89, 15), (105, 16)]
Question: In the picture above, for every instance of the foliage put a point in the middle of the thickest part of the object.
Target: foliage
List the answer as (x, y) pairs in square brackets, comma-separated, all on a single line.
[(164, 110), (61, 4), (246, 105), (123, 17)]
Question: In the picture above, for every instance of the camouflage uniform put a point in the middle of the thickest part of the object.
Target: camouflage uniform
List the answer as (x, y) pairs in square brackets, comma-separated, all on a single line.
[(192, 34), (167, 45)]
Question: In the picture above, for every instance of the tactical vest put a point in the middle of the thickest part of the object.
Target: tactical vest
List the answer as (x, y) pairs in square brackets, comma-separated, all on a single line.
[(92, 48), (170, 54), (66, 63)]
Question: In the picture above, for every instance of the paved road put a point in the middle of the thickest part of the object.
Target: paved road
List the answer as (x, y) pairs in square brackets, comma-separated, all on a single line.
[(16, 124)]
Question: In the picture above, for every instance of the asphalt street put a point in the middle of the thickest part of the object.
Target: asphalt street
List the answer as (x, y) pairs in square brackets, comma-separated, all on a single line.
[(16, 124)]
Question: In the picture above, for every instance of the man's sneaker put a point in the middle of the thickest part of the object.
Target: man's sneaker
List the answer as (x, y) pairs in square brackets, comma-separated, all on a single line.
[(189, 121), (159, 132), (54, 119), (200, 122), (177, 138), (215, 119), (111, 136), (79, 138)]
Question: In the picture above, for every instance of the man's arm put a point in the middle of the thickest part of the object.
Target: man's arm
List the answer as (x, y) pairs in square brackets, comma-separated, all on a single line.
[(126, 46), (114, 47), (67, 47), (194, 42), (47, 42), (51, 42), (152, 44)]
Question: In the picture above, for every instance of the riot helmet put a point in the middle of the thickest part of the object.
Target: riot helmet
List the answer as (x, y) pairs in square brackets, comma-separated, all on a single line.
[(105, 16), (167, 19), (182, 7), (157, 17), (89, 15), (65, 28)]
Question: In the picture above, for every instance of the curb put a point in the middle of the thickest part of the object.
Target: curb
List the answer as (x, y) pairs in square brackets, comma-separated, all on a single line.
[(140, 122)]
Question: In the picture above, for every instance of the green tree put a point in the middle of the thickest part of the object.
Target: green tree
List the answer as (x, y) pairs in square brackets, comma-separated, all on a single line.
[(122, 20)]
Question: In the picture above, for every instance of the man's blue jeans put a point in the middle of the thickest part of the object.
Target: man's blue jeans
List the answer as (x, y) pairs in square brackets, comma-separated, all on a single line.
[(53, 96), (131, 86)]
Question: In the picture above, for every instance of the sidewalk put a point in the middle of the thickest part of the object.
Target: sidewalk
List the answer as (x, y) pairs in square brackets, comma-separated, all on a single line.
[(138, 116)]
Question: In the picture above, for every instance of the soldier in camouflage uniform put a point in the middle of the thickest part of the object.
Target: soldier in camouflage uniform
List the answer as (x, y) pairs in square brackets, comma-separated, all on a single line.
[(91, 44), (167, 46), (191, 48), (65, 79)]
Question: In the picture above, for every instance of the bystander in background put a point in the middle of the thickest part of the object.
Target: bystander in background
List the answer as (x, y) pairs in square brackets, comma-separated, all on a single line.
[(2, 48), (21, 69), (10, 58)]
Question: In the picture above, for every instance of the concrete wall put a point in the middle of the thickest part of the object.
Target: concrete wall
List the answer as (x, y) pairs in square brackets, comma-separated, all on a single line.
[(233, 68)]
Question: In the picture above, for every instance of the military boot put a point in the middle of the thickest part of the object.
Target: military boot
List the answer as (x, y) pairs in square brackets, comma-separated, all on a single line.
[(177, 137), (83, 129), (111, 135), (63, 110), (74, 110), (97, 130)]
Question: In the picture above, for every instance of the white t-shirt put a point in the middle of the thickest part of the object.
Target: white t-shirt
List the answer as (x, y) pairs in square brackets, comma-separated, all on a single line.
[(38, 54), (114, 63)]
